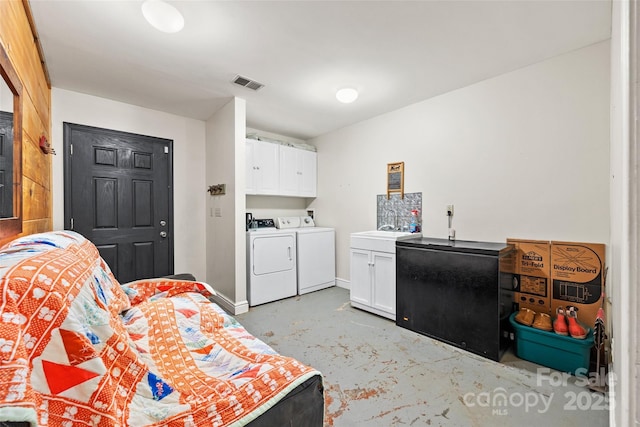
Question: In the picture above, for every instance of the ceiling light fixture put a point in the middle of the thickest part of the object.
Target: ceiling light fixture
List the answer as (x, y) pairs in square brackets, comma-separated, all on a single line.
[(162, 16), (347, 95)]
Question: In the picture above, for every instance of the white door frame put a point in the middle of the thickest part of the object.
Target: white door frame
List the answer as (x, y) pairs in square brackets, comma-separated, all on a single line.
[(634, 214)]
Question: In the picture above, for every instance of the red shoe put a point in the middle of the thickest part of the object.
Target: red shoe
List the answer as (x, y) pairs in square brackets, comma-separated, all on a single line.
[(560, 324), (575, 328)]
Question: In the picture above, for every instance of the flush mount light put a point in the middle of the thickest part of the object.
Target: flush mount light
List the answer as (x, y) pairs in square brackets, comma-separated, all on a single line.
[(347, 95), (162, 16)]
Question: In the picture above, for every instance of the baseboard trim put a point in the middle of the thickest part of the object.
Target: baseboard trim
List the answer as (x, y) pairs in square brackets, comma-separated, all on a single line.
[(342, 283), (229, 306)]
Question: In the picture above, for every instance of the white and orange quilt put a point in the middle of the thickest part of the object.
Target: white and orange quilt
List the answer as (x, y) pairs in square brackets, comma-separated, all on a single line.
[(79, 349)]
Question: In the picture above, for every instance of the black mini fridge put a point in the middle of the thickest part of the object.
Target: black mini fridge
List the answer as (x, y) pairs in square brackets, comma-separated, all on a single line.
[(459, 292)]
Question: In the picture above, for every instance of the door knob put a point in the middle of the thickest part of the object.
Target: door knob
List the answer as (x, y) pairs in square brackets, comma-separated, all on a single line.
[(163, 234)]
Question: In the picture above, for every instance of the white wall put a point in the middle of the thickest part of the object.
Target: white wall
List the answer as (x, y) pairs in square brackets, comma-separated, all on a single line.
[(275, 206), (188, 137), (623, 288), (225, 229), (275, 136), (6, 97), (523, 155)]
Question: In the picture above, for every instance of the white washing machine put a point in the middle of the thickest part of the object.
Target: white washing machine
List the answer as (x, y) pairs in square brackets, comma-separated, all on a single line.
[(316, 253), (271, 264)]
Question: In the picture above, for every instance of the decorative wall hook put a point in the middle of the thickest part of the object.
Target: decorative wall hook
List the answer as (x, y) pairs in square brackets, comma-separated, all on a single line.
[(217, 190), (45, 146)]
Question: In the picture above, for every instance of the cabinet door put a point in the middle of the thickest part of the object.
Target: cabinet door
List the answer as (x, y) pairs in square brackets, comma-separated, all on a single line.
[(308, 161), (360, 276), (384, 281), (266, 161), (289, 171), (298, 172)]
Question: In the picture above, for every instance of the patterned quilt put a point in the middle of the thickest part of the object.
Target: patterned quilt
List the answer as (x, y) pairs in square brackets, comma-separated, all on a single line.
[(79, 349)]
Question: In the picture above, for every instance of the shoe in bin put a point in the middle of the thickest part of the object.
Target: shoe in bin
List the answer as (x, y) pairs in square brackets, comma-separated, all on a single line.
[(560, 326), (542, 321), (525, 316), (576, 330)]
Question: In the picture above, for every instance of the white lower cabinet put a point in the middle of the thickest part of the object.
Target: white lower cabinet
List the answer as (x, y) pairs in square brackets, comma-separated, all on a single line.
[(373, 281)]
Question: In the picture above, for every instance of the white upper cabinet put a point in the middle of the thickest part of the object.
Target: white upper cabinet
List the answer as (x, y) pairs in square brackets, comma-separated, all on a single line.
[(262, 167), (298, 172), (280, 170), (309, 181)]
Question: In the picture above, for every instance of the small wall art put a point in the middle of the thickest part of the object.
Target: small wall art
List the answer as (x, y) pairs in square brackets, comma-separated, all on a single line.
[(395, 179)]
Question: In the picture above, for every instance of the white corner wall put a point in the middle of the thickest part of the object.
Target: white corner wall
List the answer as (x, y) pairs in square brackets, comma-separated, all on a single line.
[(6, 97), (522, 155), (623, 287), (225, 223), (188, 137)]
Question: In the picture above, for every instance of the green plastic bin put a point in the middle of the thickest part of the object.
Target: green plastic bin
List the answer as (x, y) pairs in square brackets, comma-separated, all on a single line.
[(559, 352)]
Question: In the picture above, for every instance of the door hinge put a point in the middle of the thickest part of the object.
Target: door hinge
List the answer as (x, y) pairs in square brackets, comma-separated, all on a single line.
[(71, 223), (166, 150)]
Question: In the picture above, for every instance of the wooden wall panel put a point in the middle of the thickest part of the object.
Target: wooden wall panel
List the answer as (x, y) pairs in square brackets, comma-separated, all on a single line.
[(36, 226), (36, 164), (33, 124), (18, 40), (36, 201), (41, 101), (36, 161)]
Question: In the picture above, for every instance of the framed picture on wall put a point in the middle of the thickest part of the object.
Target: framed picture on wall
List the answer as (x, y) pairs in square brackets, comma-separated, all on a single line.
[(395, 179)]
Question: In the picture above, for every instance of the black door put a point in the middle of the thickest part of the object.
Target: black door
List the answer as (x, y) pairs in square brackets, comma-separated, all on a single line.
[(119, 194), (6, 164)]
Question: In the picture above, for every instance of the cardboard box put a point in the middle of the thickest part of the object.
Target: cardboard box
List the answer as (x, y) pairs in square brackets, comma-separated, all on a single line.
[(577, 277), (532, 274), (559, 352)]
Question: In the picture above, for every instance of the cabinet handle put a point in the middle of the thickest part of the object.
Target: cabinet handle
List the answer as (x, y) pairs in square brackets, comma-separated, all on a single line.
[(289, 252)]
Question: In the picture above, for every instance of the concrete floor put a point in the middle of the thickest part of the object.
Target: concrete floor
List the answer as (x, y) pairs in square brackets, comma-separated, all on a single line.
[(378, 374)]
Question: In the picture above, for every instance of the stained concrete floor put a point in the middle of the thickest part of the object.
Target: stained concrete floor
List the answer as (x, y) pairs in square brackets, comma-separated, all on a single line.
[(378, 374)]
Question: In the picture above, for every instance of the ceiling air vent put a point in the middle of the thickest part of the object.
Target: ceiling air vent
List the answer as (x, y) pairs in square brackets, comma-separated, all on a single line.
[(248, 83)]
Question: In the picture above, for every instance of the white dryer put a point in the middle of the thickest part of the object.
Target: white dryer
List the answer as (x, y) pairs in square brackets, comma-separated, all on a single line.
[(271, 265), (316, 253)]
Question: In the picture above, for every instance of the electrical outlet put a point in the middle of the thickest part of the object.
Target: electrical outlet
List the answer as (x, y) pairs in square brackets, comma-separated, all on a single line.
[(449, 210)]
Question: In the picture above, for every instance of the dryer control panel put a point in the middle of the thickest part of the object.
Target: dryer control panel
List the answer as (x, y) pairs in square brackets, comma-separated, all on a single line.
[(294, 222), (264, 223)]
